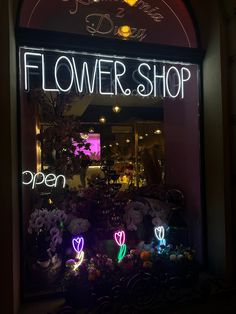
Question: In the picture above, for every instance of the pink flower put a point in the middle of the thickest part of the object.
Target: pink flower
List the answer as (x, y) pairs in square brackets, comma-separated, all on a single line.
[(120, 237)]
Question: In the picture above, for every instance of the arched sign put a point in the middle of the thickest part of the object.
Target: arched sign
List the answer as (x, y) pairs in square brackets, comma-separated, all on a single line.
[(164, 22)]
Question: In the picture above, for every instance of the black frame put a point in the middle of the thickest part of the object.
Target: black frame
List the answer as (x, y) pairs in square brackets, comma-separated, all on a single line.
[(66, 41)]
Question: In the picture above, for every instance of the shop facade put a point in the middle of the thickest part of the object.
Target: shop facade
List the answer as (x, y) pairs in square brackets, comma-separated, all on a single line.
[(170, 87)]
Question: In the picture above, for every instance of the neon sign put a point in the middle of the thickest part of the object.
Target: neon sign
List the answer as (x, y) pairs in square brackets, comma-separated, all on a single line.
[(78, 245), (104, 75), (119, 237), (50, 180), (160, 235)]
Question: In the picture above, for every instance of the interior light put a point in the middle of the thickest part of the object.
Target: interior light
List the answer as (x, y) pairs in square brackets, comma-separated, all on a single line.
[(130, 2), (117, 144), (84, 136), (146, 134), (110, 145), (127, 140), (124, 31), (116, 109), (91, 130), (158, 131), (102, 119)]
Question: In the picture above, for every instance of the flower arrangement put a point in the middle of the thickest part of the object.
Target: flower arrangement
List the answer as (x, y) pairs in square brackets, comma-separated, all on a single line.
[(47, 228)]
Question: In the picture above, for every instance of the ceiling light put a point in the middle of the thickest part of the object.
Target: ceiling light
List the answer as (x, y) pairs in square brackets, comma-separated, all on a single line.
[(116, 109), (84, 136), (110, 145), (117, 144), (158, 131), (146, 134), (102, 119), (91, 130), (131, 2), (141, 137), (124, 31), (127, 140)]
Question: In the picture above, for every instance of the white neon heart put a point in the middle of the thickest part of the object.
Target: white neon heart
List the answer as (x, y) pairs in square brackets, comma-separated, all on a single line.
[(159, 233)]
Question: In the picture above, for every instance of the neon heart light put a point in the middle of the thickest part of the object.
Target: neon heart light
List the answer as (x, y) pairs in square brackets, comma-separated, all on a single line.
[(78, 244), (119, 237), (159, 233)]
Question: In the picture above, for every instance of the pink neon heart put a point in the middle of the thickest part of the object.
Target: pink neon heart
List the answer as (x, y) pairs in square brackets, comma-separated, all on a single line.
[(78, 244), (119, 237)]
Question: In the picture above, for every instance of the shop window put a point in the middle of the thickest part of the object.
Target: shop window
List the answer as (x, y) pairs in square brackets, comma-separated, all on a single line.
[(110, 155)]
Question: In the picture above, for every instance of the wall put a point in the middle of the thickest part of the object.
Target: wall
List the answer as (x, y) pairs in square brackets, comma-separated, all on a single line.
[(216, 135), (9, 240), (229, 19)]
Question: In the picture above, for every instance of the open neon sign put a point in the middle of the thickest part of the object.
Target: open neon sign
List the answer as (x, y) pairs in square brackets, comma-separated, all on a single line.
[(50, 180), (87, 73)]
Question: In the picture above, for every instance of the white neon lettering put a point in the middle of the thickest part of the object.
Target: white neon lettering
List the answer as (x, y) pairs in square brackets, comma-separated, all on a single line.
[(35, 179), (50, 180), (184, 79), (100, 72), (71, 74), (27, 66), (126, 92), (31, 174), (85, 72), (63, 178), (167, 82), (155, 76), (106, 75), (43, 79), (141, 87)]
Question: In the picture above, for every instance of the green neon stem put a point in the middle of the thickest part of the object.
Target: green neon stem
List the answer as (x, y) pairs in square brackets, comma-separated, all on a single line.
[(121, 253)]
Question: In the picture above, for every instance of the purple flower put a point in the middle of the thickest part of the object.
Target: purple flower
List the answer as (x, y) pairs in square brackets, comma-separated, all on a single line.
[(39, 222), (54, 231)]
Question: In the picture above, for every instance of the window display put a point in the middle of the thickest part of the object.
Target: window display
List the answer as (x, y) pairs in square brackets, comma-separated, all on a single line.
[(110, 170)]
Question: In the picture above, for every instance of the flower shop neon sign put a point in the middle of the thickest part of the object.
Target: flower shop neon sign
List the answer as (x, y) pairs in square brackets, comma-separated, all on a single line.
[(104, 75), (50, 179)]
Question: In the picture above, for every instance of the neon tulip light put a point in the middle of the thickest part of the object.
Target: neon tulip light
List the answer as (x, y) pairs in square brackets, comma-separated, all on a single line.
[(119, 237), (160, 235), (78, 245)]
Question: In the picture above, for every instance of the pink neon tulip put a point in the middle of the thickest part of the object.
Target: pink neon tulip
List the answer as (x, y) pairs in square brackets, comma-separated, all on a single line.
[(119, 237)]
